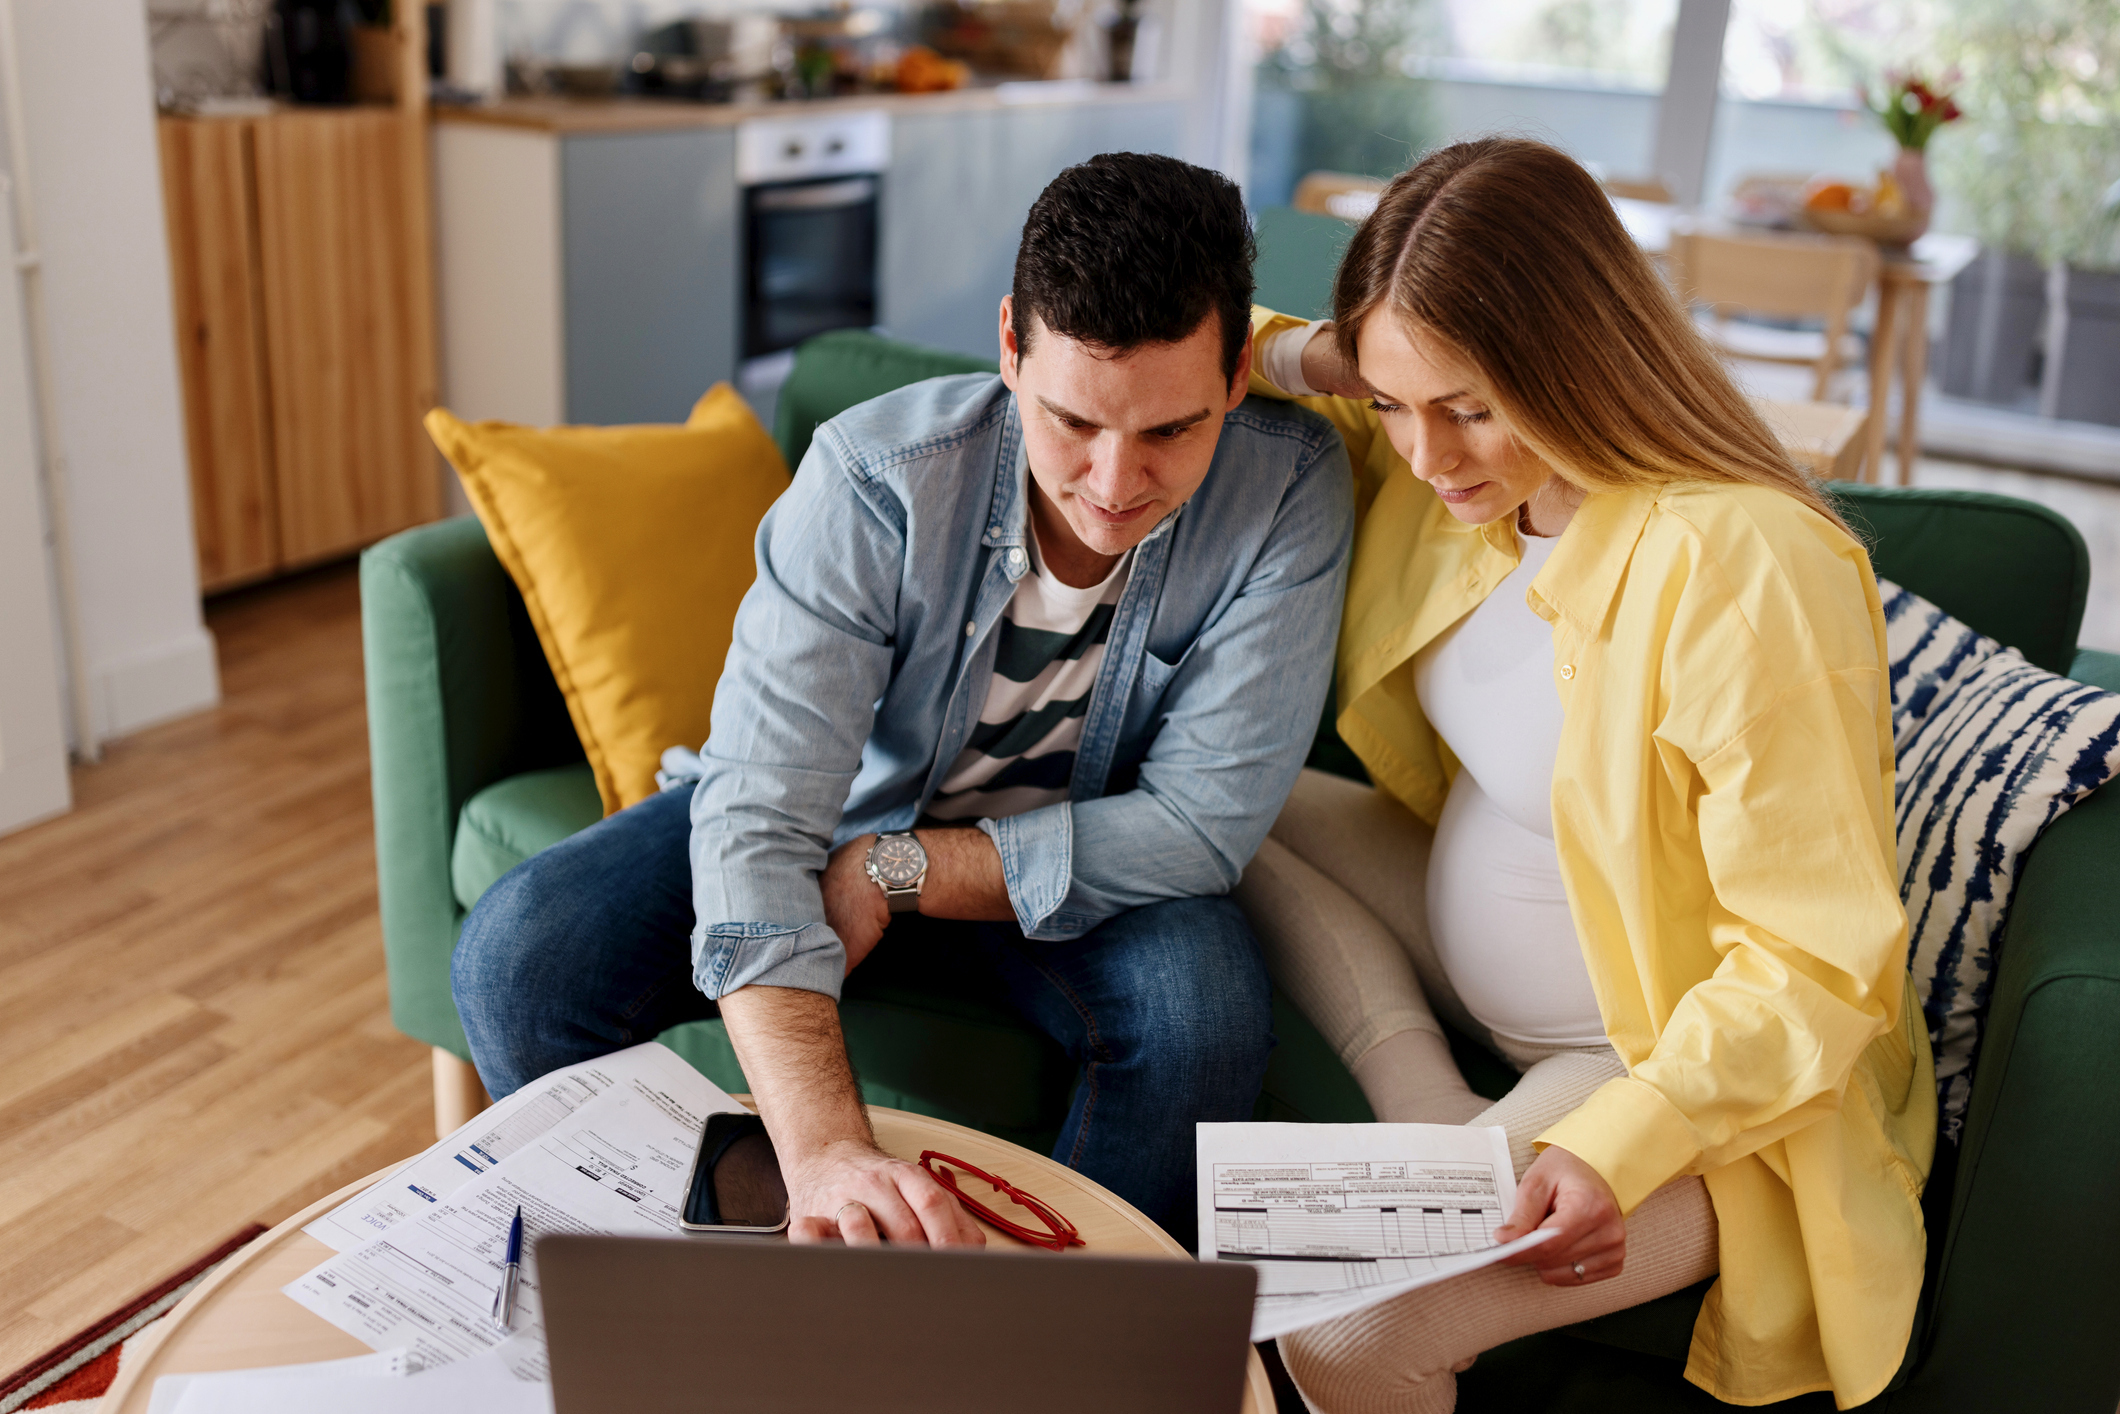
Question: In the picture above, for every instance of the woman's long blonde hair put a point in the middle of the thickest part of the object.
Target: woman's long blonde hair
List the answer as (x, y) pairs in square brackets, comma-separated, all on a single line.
[(1509, 251)]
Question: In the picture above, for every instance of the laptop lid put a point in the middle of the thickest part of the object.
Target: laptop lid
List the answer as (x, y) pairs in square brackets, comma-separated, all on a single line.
[(657, 1326)]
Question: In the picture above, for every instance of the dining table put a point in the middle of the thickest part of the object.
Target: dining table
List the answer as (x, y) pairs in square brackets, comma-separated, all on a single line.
[(1899, 343)]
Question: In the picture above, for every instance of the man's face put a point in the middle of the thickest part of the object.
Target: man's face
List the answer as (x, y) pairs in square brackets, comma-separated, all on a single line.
[(1118, 441)]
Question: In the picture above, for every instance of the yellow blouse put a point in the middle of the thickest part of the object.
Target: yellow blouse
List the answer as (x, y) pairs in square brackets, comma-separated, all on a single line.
[(1722, 806)]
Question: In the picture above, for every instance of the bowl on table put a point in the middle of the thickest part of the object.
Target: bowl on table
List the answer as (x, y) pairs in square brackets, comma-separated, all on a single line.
[(1871, 225)]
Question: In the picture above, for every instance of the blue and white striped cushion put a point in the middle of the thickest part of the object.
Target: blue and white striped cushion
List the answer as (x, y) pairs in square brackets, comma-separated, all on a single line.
[(1990, 751)]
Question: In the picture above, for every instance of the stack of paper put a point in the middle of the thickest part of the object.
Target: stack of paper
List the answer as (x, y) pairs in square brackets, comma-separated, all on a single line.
[(602, 1147), (1337, 1217)]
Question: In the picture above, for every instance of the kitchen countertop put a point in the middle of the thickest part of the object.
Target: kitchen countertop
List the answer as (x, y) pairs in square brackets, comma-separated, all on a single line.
[(630, 114)]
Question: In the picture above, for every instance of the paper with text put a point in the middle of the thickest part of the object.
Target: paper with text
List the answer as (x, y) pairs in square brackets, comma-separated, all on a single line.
[(617, 1164), (1336, 1217), (491, 1136)]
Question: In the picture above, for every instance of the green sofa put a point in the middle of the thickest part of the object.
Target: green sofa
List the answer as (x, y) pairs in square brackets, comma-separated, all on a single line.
[(476, 767)]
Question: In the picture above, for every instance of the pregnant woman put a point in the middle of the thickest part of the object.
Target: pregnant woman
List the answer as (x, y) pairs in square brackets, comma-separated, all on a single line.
[(1616, 668)]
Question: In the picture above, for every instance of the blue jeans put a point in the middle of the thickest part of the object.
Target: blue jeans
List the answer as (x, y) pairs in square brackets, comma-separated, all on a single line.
[(585, 949)]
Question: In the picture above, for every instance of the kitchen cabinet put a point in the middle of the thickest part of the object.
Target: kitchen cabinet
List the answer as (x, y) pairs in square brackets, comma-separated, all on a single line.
[(591, 254), (299, 272), (302, 276), (954, 200), (349, 352), (208, 185), (586, 278)]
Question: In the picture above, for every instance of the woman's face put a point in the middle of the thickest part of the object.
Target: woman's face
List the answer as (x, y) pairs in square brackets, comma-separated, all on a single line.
[(1435, 412)]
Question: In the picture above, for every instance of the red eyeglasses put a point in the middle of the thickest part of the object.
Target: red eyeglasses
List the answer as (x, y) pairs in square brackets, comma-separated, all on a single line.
[(1061, 1233)]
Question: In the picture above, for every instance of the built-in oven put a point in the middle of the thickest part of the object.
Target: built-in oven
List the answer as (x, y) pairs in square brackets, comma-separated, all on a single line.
[(811, 189)]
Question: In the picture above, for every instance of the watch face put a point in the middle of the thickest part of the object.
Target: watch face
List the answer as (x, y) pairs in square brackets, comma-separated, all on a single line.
[(898, 861)]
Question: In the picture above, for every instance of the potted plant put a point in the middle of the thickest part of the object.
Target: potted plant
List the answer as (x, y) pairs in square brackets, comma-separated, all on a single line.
[(1912, 110)]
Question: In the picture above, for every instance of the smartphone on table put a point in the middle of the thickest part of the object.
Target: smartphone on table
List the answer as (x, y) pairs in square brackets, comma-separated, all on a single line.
[(736, 1184)]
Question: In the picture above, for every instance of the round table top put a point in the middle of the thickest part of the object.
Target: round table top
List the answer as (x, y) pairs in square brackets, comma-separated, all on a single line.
[(238, 1319)]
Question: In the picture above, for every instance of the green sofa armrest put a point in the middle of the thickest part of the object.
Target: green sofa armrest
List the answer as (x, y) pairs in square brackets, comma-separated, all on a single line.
[(459, 696), (2029, 1276)]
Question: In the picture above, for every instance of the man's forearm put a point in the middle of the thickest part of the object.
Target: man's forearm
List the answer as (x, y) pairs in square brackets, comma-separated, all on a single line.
[(792, 1052), (964, 878)]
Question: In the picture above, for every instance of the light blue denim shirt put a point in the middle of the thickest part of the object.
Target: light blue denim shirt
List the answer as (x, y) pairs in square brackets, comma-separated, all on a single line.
[(862, 656)]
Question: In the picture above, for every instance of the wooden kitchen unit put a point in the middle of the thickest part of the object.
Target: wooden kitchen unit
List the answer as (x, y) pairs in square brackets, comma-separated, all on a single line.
[(301, 263)]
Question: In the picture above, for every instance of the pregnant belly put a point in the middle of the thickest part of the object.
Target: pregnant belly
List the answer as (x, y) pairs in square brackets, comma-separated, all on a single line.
[(1499, 918)]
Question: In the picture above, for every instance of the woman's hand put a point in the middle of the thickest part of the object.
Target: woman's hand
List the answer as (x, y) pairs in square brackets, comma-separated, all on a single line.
[(1326, 371), (1565, 1194)]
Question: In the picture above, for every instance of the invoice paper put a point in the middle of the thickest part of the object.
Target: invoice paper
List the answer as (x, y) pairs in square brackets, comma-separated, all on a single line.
[(491, 1136), (170, 1389), (483, 1385), (616, 1164), (1336, 1217)]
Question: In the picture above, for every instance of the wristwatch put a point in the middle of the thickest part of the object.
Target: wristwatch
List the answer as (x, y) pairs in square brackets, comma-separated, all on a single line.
[(899, 866)]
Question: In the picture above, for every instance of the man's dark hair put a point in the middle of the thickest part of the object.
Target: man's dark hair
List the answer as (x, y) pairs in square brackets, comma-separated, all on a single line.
[(1131, 249)]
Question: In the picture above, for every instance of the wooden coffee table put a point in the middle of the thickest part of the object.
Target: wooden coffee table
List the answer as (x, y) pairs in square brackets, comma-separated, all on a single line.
[(237, 1318)]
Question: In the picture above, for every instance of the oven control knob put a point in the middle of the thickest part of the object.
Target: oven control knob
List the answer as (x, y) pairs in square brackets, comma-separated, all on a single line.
[(793, 149)]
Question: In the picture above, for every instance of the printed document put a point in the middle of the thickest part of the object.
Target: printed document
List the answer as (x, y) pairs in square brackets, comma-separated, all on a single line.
[(1337, 1217), (483, 1385), (170, 1389), (617, 1163), (491, 1136)]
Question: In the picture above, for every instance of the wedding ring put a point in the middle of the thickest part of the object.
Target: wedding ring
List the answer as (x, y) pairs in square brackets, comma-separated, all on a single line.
[(1579, 1272), (852, 1203)]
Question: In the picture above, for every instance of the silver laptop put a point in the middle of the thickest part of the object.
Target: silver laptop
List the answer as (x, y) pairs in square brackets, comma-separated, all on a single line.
[(658, 1326)]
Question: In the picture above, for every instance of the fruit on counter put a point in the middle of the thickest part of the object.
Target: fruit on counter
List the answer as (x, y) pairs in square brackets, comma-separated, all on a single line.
[(922, 70)]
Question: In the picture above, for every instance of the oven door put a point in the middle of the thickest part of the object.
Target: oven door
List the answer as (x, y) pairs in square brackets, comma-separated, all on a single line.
[(810, 260)]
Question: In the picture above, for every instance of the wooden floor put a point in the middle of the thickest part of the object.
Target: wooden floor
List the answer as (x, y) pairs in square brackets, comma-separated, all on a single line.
[(194, 1029)]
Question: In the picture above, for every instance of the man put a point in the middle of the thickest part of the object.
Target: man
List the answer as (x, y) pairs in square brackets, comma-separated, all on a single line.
[(1029, 666)]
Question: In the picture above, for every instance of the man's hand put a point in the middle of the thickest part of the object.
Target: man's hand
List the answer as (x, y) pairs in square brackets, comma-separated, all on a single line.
[(854, 906), (839, 1183), (1562, 1192), (1326, 371), (852, 1192)]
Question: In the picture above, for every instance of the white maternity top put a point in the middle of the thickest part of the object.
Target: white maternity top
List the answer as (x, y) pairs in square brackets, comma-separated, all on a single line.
[(1497, 912)]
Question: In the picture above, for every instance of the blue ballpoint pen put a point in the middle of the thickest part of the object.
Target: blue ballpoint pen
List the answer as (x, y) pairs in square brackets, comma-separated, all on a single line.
[(511, 1272)]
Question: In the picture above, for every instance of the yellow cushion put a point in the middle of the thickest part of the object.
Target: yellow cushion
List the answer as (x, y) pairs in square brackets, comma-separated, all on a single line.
[(632, 547)]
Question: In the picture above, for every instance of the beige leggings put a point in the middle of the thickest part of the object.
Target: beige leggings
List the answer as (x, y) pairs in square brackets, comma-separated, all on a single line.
[(1337, 898)]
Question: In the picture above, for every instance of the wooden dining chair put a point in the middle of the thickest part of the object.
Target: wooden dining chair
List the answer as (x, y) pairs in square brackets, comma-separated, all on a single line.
[(1782, 277), (1825, 439), (1341, 194)]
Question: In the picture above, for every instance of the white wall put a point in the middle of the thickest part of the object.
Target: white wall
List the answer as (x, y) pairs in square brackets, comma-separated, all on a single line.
[(33, 783), (89, 119)]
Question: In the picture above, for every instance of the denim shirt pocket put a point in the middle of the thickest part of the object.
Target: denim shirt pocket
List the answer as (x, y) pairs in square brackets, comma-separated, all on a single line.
[(1155, 680)]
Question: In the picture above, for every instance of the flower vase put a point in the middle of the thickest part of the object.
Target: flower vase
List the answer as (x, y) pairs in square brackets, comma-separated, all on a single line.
[(1910, 170)]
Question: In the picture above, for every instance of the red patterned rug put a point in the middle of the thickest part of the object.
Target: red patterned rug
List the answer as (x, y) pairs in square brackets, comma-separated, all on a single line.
[(74, 1374)]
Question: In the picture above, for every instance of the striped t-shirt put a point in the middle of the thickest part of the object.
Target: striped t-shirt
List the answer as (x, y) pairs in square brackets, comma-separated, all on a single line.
[(1022, 753)]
